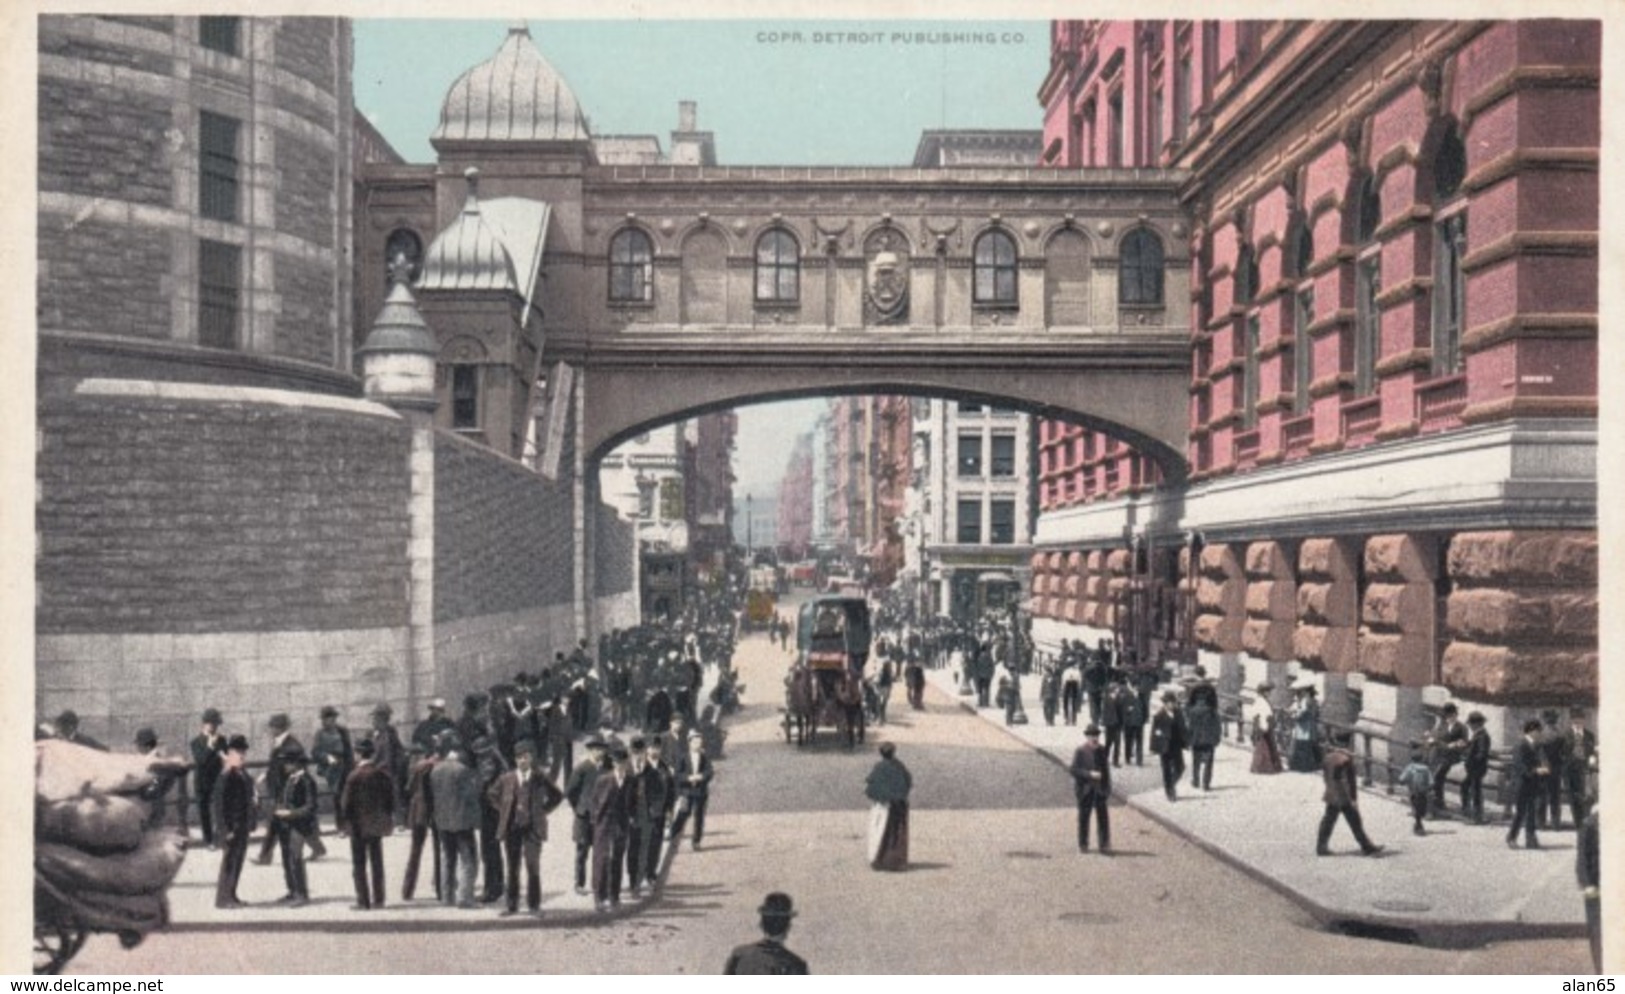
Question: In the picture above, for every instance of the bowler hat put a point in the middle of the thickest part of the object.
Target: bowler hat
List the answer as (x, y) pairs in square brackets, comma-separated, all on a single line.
[(1475, 718), (145, 738), (472, 701), (1170, 697), (597, 743), (777, 905), (292, 754), (619, 753), (524, 748), (364, 748), (1093, 731), (69, 717), (211, 716), (637, 743), (237, 743), (329, 712), (278, 722), (384, 709)]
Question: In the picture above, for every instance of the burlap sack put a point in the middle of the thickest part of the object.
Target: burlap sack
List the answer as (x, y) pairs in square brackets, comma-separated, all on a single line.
[(100, 823), (148, 869), (98, 910), (64, 771)]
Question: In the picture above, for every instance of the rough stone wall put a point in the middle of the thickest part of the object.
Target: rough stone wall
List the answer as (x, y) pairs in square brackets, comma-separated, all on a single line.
[(92, 148), (1397, 613), (1328, 606), (1271, 602), (86, 284), (308, 48), (1522, 616), (1094, 607), (1040, 584), (487, 561), (185, 516), (306, 197), (304, 324), (615, 553), (1221, 600)]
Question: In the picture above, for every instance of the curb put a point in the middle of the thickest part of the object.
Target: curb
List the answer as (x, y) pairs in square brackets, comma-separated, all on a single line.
[(1433, 934)]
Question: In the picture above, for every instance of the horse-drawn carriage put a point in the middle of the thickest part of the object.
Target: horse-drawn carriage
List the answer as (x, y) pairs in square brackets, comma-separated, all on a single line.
[(825, 686)]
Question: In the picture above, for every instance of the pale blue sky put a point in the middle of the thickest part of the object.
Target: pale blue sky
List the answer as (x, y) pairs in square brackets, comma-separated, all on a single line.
[(774, 92)]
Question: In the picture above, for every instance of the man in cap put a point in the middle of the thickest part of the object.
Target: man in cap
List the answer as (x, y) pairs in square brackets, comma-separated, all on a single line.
[(1168, 737), (656, 796), (237, 817), (523, 799), (456, 789), (334, 756), (389, 753), (1579, 746), (1342, 797), (611, 808), (430, 728), (1447, 743), (156, 793), (1529, 773), (294, 819), (207, 764), (1551, 749), (693, 774), (283, 743), (769, 956), (1092, 784), (579, 792), (420, 820), (367, 806), (67, 729), (1475, 766)]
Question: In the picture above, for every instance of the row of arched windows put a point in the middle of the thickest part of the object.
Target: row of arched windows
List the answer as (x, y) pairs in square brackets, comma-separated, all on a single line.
[(993, 268)]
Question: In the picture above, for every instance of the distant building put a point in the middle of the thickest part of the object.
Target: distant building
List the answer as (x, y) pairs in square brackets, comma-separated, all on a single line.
[(794, 527)]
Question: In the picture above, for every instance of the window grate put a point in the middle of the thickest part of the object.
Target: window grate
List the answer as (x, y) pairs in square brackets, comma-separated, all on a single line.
[(219, 294)]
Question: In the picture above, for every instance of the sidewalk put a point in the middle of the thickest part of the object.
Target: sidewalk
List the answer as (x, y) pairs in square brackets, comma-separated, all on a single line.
[(1458, 886)]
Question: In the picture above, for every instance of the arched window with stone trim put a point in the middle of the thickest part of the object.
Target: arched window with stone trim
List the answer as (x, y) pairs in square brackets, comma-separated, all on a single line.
[(993, 268), (631, 267), (778, 268), (1449, 169), (1140, 261)]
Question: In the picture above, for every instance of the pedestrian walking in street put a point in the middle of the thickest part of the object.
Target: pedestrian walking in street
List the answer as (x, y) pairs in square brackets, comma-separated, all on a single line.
[(1071, 694), (653, 798), (390, 754), (1342, 797), (1475, 766), (1305, 756), (334, 756), (1579, 747), (284, 744), (1202, 721), (883, 683), (1092, 784), (294, 819), (914, 679), (578, 791), (523, 799), (1168, 737), (1529, 773), (429, 730), (1049, 694), (238, 814), (611, 808), (208, 762), (694, 772), (1417, 779), (1552, 742), (1266, 755), (769, 956), (887, 788), (1111, 716), (1132, 705), (1588, 869), (456, 789), (366, 807)]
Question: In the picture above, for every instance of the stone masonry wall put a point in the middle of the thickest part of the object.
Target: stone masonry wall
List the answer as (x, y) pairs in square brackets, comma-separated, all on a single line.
[(209, 511), (86, 147), (304, 323), (308, 48), (1328, 606), (1221, 600), (616, 554), (85, 283)]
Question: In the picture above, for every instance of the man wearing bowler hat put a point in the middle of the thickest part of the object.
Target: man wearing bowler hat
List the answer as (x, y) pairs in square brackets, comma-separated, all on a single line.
[(294, 819), (333, 752), (769, 956), (367, 806), (693, 776), (579, 793), (389, 754), (283, 743), (207, 763), (1092, 783), (237, 817)]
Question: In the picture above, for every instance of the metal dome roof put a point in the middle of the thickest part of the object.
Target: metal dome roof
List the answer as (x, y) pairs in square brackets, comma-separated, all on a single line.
[(516, 95)]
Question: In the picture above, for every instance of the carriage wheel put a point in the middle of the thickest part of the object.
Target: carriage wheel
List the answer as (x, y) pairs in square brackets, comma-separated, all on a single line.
[(54, 946)]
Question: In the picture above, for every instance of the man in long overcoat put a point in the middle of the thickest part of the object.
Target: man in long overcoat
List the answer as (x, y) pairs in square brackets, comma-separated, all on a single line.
[(1092, 784), (366, 805)]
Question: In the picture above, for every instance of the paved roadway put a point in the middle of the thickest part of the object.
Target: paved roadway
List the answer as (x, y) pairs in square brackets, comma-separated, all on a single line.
[(997, 885)]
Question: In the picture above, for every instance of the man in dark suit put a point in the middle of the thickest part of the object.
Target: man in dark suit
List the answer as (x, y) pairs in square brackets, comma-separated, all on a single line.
[(611, 808), (769, 955), (1529, 772), (1092, 783), (429, 730), (1448, 742), (1342, 798), (1579, 745), (1168, 742), (67, 729), (284, 744), (390, 754), (456, 789), (238, 813), (694, 773), (295, 820), (334, 754), (655, 797), (207, 764), (1475, 765), (420, 819), (523, 799), (579, 793), (367, 806)]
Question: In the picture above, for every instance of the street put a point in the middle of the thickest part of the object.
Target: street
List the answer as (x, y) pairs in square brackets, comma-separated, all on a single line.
[(995, 885)]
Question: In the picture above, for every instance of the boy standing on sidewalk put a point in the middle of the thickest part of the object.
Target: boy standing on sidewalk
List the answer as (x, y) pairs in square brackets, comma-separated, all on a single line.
[(1417, 778)]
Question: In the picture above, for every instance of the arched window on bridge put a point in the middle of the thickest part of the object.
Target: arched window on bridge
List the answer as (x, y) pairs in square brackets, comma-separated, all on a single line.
[(1139, 269), (778, 268), (994, 269), (631, 267)]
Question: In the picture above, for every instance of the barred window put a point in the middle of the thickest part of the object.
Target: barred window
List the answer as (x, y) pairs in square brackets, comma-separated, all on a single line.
[(778, 268), (465, 396), (1139, 268), (631, 267), (220, 269), (217, 166), (994, 269)]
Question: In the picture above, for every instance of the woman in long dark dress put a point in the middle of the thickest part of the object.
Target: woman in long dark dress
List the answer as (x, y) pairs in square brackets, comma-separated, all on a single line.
[(888, 787), (1266, 757), (1306, 755)]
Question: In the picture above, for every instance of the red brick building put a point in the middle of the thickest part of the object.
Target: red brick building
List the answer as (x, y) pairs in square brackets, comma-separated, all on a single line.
[(1393, 360), (793, 536)]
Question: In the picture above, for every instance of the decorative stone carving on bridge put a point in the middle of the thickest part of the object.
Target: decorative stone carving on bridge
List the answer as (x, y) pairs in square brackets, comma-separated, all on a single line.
[(885, 292)]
